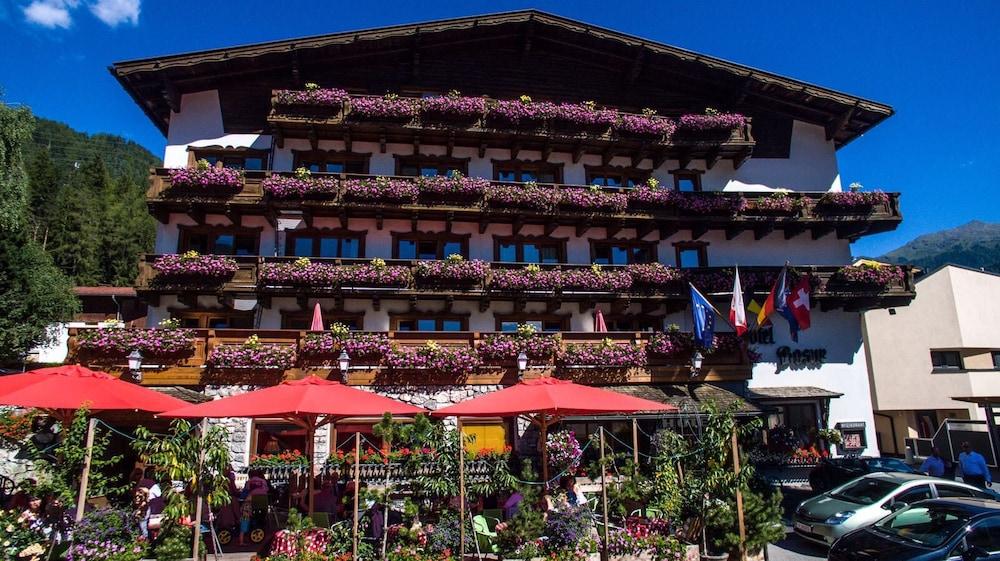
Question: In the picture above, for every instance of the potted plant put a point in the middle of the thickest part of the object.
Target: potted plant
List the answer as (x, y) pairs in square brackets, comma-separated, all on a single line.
[(388, 108), (192, 268), (502, 349), (302, 185), (596, 279), (776, 204), (455, 271), (453, 108), (593, 199), (531, 278), (605, 354), (313, 96), (521, 113), (252, 354), (526, 196), (381, 190), (166, 341), (584, 117), (852, 201), (205, 179), (455, 188), (711, 125), (869, 276), (647, 125), (432, 356)]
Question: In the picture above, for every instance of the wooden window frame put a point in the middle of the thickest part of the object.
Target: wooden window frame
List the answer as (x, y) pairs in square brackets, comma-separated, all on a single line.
[(520, 166), (635, 318), (330, 317), (438, 317), (439, 237), (203, 316), (638, 176), (651, 246), (316, 233), (702, 248), (445, 163), (521, 317), (332, 156), (196, 153), (693, 174), (961, 361), (521, 240), (185, 231)]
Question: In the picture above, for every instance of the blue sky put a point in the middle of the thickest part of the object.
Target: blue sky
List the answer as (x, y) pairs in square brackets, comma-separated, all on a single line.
[(935, 63)]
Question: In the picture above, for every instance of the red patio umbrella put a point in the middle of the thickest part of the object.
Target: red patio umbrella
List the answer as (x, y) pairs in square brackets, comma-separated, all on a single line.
[(61, 390), (547, 400), (317, 320), (599, 324)]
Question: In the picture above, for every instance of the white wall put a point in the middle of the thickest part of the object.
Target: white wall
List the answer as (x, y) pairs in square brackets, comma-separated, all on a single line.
[(199, 123)]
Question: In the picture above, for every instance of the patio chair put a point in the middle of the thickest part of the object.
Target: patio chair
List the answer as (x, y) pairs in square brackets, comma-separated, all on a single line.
[(486, 535)]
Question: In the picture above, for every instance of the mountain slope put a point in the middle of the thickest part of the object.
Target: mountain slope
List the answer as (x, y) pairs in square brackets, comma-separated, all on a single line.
[(976, 244), (69, 148)]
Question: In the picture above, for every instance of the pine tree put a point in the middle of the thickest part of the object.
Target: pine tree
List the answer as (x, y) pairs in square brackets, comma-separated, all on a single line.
[(44, 187), (75, 232)]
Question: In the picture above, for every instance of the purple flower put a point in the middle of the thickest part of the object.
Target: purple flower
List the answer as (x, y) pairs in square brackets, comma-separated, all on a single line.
[(520, 112), (456, 186), (711, 121), (386, 108), (252, 354), (645, 125), (206, 179), (879, 275), (523, 280), (655, 276), (778, 203), (585, 115), (381, 190), (326, 97), (656, 198), (452, 107), (595, 279), (431, 356), (450, 272), (303, 272), (286, 187), (503, 348), (853, 201), (192, 267), (526, 196), (593, 200), (604, 354), (119, 342), (363, 348)]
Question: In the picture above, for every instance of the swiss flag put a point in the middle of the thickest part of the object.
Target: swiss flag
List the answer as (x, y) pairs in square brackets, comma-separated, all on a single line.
[(798, 302)]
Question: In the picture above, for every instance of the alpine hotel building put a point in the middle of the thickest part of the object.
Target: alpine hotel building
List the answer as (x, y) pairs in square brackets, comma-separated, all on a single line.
[(578, 170)]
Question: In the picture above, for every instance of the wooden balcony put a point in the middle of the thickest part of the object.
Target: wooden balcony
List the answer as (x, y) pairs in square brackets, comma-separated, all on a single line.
[(193, 369), (808, 216), (319, 123), (829, 291)]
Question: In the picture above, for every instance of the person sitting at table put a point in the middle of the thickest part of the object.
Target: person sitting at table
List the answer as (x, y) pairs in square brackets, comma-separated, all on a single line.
[(256, 485)]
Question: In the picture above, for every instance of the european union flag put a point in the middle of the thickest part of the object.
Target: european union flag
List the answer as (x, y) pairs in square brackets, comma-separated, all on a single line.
[(703, 318)]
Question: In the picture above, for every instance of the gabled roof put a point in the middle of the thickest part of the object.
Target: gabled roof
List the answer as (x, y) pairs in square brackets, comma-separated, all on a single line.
[(155, 83)]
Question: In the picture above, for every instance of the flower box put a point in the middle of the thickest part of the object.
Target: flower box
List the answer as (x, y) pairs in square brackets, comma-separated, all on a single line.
[(450, 273), (457, 188), (291, 459), (363, 348), (593, 200), (194, 269), (586, 117), (285, 187), (375, 275), (779, 204), (519, 113), (332, 98), (656, 277), (711, 124), (252, 354), (655, 198), (869, 276), (118, 342), (503, 349), (605, 354), (645, 126), (670, 344), (205, 180), (431, 356), (527, 196), (381, 190), (452, 109), (851, 202), (595, 279), (388, 108), (304, 272), (525, 280)]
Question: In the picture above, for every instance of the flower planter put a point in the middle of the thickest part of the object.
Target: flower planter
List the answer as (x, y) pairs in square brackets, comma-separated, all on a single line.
[(521, 280), (387, 109), (452, 109), (527, 196), (647, 127), (284, 187), (596, 280), (585, 117), (867, 277), (593, 200), (656, 278), (772, 205), (521, 114), (193, 269), (205, 181), (456, 189), (454, 274), (117, 343), (709, 127), (603, 355), (252, 355), (314, 100), (365, 349), (851, 202), (503, 349), (381, 190), (431, 356)]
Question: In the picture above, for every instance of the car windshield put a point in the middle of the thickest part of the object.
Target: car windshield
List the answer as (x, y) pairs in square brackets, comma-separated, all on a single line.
[(864, 491), (926, 525)]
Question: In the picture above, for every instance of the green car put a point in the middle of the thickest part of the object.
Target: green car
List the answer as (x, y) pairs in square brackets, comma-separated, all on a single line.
[(866, 500)]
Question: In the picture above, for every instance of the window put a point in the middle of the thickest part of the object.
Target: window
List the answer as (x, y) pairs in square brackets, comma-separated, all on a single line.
[(250, 160), (329, 161), (219, 240), (946, 359), (428, 322), (950, 491), (429, 245), (687, 180), (985, 534), (608, 176), (275, 436), (622, 252), (489, 436), (541, 323), (220, 319), (529, 250), (691, 254), (996, 359), (303, 320), (517, 170), (633, 323), (430, 166), (319, 243)]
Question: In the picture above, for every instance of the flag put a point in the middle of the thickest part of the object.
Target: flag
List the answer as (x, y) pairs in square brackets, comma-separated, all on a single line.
[(782, 303), (703, 319), (775, 300), (737, 312), (798, 303)]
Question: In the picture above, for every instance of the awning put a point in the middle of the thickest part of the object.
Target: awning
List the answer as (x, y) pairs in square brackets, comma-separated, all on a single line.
[(982, 401), (688, 398), (780, 393)]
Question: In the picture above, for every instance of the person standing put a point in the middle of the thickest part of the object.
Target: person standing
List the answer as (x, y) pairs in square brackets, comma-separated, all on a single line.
[(934, 464), (973, 466)]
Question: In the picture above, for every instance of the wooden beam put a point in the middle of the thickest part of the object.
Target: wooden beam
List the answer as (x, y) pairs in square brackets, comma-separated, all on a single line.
[(639, 155), (449, 221), (667, 230), (415, 61), (383, 139), (546, 150), (483, 224), (416, 144), (302, 301), (606, 156), (793, 230), (378, 220), (515, 149), (484, 304), (314, 138), (451, 143), (296, 74), (713, 157), (582, 227), (733, 231), (376, 303), (188, 299), (645, 228), (763, 230), (820, 231), (636, 68), (834, 127), (517, 225), (279, 137), (519, 305), (482, 149), (742, 158), (613, 229), (550, 227), (577, 153), (649, 306), (171, 96), (620, 305), (233, 215), (307, 217), (526, 40), (585, 305), (344, 218), (196, 213), (552, 305), (659, 158), (698, 231), (413, 221)]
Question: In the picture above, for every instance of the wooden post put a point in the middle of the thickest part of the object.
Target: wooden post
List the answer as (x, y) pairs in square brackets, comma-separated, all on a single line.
[(202, 430), (461, 490), (357, 487), (543, 437), (604, 499), (81, 500), (635, 444), (739, 499), (310, 452)]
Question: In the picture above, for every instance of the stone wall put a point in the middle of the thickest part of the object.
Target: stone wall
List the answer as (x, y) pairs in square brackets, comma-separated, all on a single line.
[(15, 468)]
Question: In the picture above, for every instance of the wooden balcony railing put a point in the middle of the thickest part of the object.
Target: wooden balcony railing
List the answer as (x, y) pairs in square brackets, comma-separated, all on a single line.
[(804, 211), (194, 366), (830, 289)]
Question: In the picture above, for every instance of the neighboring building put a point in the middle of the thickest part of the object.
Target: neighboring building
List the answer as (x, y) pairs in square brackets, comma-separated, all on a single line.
[(716, 207), (99, 305), (936, 358)]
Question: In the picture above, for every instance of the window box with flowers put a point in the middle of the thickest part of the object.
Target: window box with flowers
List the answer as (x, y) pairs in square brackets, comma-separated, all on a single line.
[(389, 108), (712, 125), (313, 96), (596, 279), (605, 354), (656, 278), (455, 272), (868, 276), (458, 361), (192, 268), (113, 343), (300, 186), (456, 188), (453, 108), (205, 179), (593, 199), (368, 349), (526, 196), (252, 354), (853, 201), (381, 190), (653, 197), (521, 113), (301, 272), (374, 274), (583, 117), (287, 459), (777, 204), (648, 125), (529, 279), (502, 349)]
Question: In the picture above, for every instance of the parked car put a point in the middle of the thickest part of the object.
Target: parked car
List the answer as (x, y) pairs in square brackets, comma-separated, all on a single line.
[(932, 530), (832, 472), (865, 500)]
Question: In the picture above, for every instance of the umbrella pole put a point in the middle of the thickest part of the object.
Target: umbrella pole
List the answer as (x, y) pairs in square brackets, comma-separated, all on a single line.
[(357, 476), (461, 490), (310, 445), (81, 500), (635, 444), (604, 499), (739, 499), (197, 489), (543, 437)]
